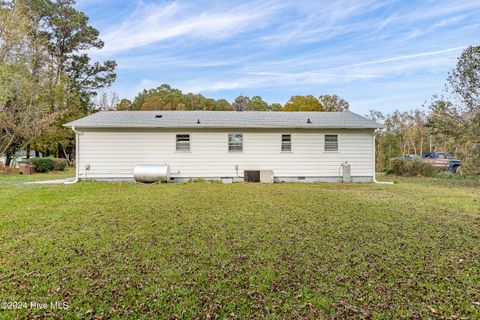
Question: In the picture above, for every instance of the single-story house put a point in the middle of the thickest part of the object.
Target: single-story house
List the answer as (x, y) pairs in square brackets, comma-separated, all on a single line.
[(294, 146)]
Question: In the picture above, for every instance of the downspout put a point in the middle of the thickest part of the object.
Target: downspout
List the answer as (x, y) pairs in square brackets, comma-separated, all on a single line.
[(375, 161), (77, 155)]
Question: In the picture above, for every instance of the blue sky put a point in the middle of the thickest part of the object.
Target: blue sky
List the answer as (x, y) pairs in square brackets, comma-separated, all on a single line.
[(382, 55)]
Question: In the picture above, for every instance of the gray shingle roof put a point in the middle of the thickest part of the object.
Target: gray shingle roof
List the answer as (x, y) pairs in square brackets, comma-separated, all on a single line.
[(223, 119)]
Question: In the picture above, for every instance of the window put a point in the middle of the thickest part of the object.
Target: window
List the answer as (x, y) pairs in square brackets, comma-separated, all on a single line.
[(183, 142), (331, 142), (235, 142), (286, 142)]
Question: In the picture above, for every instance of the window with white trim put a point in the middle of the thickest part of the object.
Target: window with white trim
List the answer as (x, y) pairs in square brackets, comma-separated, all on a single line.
[(331, 142), (286, 142), (183, 142), (235, 142)]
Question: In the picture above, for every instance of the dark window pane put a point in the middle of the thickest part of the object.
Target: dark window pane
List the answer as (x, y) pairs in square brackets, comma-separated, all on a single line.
[(331, 142), (286, 142), (183, 142)]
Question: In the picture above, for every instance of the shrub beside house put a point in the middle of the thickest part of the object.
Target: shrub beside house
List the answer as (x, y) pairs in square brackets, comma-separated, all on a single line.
[(48, 164)]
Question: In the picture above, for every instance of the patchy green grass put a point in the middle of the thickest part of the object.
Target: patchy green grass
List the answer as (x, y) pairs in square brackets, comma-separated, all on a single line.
[(441, 179), (207, 250), (15, 179)]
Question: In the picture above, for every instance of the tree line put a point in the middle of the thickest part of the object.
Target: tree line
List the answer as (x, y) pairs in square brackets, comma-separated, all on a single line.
[(167, 98), (449, 122), (47, 79)]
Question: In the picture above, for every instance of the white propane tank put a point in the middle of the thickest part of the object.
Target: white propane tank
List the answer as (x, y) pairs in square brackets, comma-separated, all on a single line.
[(149, 173)]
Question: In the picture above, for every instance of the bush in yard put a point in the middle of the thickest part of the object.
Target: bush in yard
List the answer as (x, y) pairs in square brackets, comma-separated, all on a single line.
[(59, 164), (48, 164), (411, 168), (469, 169), (43, 164), (398, 167)]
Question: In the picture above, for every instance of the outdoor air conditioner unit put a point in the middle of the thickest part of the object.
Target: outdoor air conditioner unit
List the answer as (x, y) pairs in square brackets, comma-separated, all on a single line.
[(263, 176), (266, 176)]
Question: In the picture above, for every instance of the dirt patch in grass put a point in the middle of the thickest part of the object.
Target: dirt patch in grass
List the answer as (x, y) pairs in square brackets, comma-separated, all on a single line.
[(7, 170)]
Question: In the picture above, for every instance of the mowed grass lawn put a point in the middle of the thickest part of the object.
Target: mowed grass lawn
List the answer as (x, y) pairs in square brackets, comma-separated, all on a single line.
[(208, 250)]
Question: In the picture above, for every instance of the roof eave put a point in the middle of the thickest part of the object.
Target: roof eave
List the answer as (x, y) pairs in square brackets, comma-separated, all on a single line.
[(68, 125)]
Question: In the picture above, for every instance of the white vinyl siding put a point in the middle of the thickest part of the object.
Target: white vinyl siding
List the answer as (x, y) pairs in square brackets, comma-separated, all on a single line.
[(113, 153)]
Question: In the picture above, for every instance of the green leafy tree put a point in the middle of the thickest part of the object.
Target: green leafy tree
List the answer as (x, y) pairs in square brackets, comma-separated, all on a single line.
[(242, 103), (257, 104), (275, 107), (404, 133), (87, 78), (124, 105), (40, 42), (74, 79), (162, 98), (334, 103), (165, 97), (461, 116), (68, 32), (223, 105), (303, 103), (25, 90), (464, 79), (455, 131)]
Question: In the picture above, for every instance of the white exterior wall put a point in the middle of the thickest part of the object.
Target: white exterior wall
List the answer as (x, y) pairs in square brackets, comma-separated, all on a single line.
[(113, 153)]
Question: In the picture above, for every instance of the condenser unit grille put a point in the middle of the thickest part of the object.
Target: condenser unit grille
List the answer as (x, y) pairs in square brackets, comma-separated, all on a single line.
[(251, 175)]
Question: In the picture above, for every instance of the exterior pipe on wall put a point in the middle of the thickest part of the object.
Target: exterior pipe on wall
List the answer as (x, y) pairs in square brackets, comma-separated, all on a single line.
[(236, 172), (77, 155)]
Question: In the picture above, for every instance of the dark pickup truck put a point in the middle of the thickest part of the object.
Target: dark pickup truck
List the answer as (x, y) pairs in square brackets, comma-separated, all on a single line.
[(441, 161), (438, 160)]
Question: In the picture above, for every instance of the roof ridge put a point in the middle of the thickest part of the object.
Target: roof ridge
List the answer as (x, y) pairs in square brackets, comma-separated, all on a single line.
[(225, 119)]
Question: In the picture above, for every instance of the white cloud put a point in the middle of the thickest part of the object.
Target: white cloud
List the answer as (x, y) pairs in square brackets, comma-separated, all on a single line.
[(323, 22), (155, 23), (383, 68), (403, 57), (284, 47), (446, 22)]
